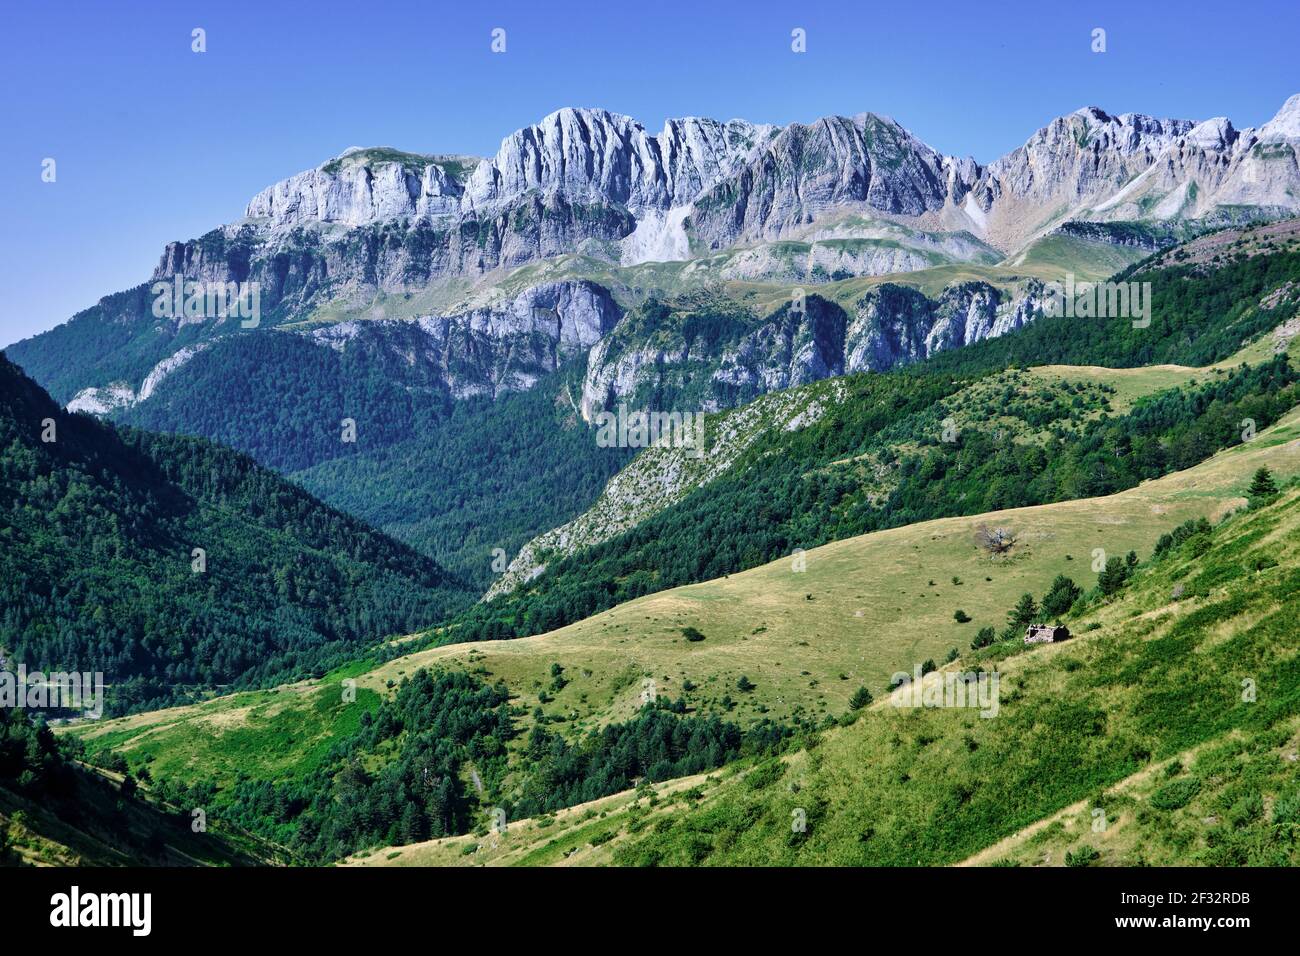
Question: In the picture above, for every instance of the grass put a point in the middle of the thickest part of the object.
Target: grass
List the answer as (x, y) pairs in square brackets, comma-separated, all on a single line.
[(279, 734), (862, 610), (1142, 718), (1089, 261), (1158, 679), (94, 826)]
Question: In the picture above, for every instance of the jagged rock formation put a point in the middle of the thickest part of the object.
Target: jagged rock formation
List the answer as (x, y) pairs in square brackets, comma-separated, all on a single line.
[(486, 351), (888, 326), (366, 236), (490, 351), (386, 220)]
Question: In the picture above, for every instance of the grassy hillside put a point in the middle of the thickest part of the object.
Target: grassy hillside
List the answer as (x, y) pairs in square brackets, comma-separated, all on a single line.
[(1165, 731), (1161, 677), (873, 612), (57, 811), (895, 450)]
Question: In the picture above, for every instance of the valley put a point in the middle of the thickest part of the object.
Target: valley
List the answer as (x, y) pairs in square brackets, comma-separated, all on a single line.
[(374, 581)]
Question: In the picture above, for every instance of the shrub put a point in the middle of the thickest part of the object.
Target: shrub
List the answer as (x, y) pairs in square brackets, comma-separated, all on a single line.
[(1083, 856), (1176, 794)]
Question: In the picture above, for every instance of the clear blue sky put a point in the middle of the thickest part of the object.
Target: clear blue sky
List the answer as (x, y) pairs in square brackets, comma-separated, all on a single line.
[(155, 143)]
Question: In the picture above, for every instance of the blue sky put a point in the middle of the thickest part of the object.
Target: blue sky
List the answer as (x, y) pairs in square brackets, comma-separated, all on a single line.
[(154, 142)]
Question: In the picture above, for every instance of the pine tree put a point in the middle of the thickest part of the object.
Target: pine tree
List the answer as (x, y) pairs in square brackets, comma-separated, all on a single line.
[(1024, 612), (1060, 597), (861, 698), (1262, 485), (1113, 576)]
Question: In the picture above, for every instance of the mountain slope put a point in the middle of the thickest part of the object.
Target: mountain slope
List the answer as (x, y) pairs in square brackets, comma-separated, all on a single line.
[(1160, 676), (878, 457), (379, 232), (100, 571), (1137, 742), (873, 612), (56, 811)]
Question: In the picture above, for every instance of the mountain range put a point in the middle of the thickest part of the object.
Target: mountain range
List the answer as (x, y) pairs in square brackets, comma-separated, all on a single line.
[(695, 268), (473, 247)]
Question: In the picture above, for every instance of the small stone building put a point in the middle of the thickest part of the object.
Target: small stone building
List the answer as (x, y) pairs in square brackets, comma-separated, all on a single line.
[(1046, 633)]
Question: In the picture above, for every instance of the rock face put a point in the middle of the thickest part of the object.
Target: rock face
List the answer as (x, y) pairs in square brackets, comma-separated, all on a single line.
[(1074, 162), (383, 221), (594, 156), (866, 162), (363, 186), (890, 325), (355, 244), (488, 352)]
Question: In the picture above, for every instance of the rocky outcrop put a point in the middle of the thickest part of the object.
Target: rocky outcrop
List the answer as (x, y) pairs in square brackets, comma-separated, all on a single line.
[(363, 186), (867, 162), (661, 476), (301, 269), (595, 156), (1075, 161), (483, 352), (490, 351), (377, 234), (888, 326)]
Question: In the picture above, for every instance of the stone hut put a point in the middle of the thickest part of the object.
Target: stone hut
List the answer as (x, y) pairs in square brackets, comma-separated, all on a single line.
[(1046, 633)]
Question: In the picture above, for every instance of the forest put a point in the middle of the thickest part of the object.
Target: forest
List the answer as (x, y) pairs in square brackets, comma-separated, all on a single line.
[(176, 566)]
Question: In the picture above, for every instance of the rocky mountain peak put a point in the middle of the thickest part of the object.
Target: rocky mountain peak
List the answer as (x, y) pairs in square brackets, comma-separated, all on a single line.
[(593, 155), (1285, 125)]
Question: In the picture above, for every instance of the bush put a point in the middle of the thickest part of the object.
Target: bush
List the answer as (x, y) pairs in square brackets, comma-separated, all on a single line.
[(960, 616), (691, 634), (984, 638), (1082, 856), (1176, 794), (861, 698)]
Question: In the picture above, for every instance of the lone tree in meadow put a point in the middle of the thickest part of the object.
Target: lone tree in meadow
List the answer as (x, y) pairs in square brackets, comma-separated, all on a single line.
[(994, 540), (1113, 576), (861, 698)]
